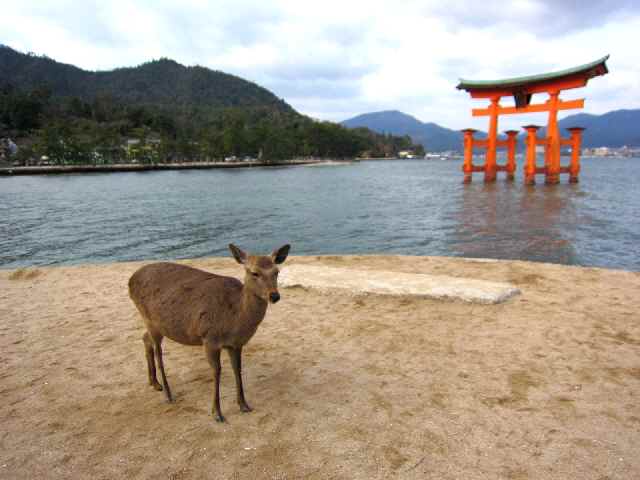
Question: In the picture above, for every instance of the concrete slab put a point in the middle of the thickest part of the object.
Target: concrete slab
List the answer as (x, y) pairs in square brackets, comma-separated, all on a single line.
[(359, 282)]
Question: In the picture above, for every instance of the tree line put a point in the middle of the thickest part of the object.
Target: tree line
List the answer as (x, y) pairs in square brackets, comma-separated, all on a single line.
[(74, 130)]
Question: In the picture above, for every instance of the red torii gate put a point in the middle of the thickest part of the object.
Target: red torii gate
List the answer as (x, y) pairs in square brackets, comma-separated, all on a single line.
[(522, 89)]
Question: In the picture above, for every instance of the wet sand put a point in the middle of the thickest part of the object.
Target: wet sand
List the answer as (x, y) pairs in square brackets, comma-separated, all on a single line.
[(544, 386)]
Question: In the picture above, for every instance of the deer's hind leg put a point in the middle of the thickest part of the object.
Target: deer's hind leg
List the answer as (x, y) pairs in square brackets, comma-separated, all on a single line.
[(212, 350), (157, 349), (151, 363)]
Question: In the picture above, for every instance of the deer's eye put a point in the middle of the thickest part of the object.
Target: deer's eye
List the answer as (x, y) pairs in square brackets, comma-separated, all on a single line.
[(255, 274)]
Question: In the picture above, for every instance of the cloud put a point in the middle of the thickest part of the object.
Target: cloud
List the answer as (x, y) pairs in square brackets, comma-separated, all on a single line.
[(336, 59), (541, 17)]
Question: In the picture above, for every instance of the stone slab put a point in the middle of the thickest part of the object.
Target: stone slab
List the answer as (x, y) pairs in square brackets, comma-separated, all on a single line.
[(359, 282)]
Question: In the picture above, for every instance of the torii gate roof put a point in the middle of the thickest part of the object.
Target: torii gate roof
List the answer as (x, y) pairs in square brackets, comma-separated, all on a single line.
[(518, 84)]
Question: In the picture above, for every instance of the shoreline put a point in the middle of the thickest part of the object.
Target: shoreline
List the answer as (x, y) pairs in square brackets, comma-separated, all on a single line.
[(329, 257), (136, 167)]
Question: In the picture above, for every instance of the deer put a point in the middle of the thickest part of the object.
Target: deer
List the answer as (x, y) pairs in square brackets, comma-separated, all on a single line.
[(194, 307)]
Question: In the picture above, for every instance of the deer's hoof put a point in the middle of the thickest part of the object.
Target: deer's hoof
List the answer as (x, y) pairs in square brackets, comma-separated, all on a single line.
[(157, 386), (245, 408), (219, 418)]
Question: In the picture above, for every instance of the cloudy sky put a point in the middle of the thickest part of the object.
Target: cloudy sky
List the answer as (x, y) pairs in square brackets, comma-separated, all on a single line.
[(335, 59)]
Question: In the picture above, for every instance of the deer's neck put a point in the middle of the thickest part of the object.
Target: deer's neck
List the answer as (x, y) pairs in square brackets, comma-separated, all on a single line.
[(253, 308)]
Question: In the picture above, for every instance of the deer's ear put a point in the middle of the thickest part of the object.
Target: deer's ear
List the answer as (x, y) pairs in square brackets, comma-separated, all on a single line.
[(280, 255), (238, 254)]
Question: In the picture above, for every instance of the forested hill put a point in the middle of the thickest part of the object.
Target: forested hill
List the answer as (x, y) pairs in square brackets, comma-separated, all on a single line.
[(160, 111), (159, 82)]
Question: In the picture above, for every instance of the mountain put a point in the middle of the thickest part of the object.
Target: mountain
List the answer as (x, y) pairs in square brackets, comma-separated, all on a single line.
[(159, 82), (432, 136), (160, 112), (613, 129)]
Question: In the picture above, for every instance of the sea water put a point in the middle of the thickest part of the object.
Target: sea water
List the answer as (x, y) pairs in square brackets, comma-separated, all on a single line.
[(412, 207)]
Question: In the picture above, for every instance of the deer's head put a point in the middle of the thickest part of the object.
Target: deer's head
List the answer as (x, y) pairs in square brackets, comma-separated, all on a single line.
[(261, 272)]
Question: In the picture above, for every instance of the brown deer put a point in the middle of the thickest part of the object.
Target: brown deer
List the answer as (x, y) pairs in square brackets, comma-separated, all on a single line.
[(194, 307)]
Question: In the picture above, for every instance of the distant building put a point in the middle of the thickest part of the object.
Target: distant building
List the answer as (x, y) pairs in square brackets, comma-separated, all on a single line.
[(7, 148), (13, 148), (406, 154), (624, 151)]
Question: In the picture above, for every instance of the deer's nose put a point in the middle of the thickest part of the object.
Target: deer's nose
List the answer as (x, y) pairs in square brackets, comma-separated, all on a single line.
[(274, 297)]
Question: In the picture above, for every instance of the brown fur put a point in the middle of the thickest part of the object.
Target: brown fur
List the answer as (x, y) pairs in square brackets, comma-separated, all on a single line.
[(194, 307)]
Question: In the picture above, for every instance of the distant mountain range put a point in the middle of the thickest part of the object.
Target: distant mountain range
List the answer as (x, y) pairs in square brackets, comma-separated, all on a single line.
[(185, 92), (613, 129), (432, 136)]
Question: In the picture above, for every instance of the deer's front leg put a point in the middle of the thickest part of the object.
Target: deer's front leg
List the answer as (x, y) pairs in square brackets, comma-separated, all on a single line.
[(212, 351), (235, 354)]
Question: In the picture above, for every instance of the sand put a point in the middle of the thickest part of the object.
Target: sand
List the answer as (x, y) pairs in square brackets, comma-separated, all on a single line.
[(544, 386)]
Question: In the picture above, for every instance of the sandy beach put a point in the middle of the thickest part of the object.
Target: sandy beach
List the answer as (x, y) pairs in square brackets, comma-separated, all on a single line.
[(543, 386)]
